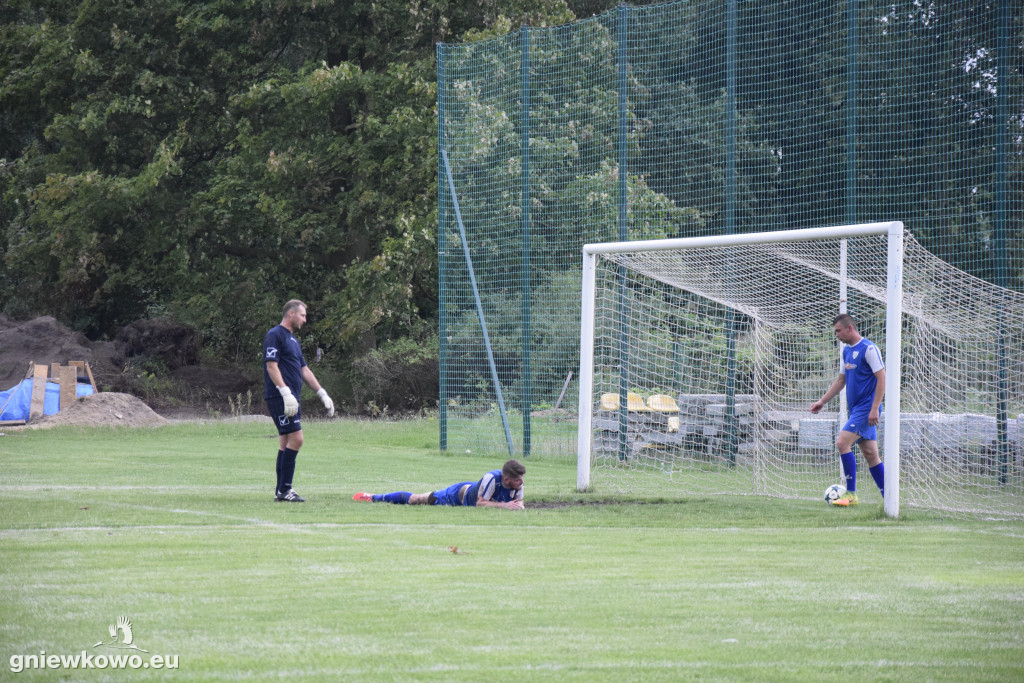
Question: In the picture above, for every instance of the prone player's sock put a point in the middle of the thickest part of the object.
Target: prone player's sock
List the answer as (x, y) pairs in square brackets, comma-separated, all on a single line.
[(397, 497), (850, 470), (878, 474), (287, 468)]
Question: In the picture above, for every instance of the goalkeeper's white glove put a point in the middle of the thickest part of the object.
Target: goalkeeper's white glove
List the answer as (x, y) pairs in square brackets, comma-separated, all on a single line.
[(291, 404), (328, 403)]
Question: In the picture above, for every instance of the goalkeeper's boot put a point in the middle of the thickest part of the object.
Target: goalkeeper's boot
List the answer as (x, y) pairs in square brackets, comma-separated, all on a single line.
[(290, 496), (848, 499), (362, 497)]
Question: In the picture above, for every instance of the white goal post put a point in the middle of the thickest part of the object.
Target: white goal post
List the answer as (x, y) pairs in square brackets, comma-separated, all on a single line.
[(732, 293)]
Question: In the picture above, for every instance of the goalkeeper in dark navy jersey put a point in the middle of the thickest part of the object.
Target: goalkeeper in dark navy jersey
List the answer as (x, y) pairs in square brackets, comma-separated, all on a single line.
[(284, 371)]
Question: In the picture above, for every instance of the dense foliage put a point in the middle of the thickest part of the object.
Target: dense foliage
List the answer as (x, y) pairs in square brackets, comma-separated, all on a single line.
[(209, 160)]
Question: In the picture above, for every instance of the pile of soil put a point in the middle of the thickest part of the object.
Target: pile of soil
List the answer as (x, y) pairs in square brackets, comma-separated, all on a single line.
[(193, 390), (105, 409), (44, 341)]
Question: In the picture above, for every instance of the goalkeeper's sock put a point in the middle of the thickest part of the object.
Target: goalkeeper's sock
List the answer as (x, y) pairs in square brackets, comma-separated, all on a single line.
[(280, 461), (287, 468), (398, 497), (878, 474), (850, 470)]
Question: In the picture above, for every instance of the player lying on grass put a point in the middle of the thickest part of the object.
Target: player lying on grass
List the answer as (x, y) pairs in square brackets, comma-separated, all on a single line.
[(497, 489), (863, 375)]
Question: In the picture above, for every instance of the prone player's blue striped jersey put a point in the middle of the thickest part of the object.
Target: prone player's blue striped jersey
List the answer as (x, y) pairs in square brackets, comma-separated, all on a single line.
[(860, 363), (490, 488)]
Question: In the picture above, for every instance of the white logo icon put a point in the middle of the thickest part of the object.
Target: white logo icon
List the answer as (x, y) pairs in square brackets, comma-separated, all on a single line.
[(124, 626), (856, 353), (271, 352)]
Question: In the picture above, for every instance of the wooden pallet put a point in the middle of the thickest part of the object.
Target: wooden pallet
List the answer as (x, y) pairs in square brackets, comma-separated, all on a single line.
[(68, 376)]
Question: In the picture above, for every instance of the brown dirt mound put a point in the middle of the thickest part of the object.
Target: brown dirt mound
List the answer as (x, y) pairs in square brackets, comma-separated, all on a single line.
[(44, 341), (157, 359), (105, 409)]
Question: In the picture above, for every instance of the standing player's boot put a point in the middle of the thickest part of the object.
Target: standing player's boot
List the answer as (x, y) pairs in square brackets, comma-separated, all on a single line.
[(848, 499), (289, 496)]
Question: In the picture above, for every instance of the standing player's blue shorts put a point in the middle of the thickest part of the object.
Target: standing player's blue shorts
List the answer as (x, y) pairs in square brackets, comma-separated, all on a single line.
[(858, 424), (450, 495)]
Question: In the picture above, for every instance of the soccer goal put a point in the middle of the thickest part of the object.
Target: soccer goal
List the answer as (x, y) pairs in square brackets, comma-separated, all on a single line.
[(700, 358)]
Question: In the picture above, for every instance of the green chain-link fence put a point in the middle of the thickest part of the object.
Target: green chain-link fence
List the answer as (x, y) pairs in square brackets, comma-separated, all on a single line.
[(696, 118)]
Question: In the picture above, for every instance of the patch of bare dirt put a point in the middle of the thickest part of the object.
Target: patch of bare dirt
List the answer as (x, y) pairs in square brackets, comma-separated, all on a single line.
[(579, 502), (105, 409), (553, 504), (151, 365)]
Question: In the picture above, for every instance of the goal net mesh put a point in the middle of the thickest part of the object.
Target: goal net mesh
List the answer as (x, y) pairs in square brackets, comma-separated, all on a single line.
[(707, 360)]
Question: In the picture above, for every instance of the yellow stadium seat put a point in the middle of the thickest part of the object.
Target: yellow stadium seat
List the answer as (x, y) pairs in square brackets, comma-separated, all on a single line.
[(634, 402), (662, 403)]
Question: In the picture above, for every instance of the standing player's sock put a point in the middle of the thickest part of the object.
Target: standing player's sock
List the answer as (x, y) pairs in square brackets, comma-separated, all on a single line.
[(280, 461), (398, 497), (878, 474), (850, 470), (287, 468)]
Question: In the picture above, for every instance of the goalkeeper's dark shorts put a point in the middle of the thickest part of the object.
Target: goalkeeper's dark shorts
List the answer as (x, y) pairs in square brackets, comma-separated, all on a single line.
[(285, 424)]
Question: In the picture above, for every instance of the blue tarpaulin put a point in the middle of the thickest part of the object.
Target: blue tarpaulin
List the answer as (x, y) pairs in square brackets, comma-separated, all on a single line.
[(21, 399)]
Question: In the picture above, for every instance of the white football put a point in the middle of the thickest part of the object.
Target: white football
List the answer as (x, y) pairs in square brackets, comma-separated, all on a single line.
[(834, 492)]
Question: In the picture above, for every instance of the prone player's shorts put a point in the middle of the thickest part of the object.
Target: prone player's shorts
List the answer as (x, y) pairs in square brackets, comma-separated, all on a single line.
[(285, 424), (450, 495), (858, 424)]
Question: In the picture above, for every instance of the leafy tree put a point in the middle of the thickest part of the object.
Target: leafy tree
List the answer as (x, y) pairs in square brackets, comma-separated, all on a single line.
[(212, 159)]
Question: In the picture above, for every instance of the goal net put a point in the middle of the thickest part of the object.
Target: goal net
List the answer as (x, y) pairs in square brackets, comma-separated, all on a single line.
[(700, 358)]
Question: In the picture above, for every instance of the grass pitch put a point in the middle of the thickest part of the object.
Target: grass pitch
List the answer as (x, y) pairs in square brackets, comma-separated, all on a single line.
[(174, 527)]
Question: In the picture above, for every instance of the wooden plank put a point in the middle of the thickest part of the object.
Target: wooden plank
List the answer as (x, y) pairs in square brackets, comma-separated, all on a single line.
[(38, 392), (68, 378), (79, 365), (92, 380), (54, 370), (11, 423)]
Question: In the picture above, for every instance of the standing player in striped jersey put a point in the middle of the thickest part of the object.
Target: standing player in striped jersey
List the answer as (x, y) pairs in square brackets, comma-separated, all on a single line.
[(863, 375), (497, 489), (284, 371)]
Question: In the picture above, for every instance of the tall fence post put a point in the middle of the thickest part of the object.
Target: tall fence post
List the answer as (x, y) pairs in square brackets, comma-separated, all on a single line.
[(622, 54), (442, 265), (850, 208), (1002, 279), (524, 146), (731, 423), (851, 112)]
